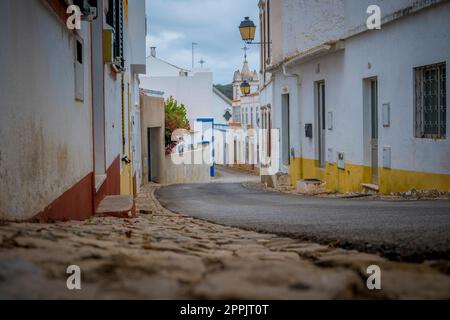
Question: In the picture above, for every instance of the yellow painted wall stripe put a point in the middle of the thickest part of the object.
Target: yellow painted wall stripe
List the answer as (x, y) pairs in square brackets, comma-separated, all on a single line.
[(350, 179)]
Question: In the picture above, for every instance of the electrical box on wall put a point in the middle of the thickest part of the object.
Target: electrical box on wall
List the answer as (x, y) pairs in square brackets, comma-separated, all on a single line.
[(387, 157), (330, 120), (308, 130), (330, 155), (108, 46), (341, 160), (386, 114)]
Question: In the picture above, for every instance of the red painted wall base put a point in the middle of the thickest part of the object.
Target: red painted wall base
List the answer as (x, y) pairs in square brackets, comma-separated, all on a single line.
[(81, 200), (111, 186), (74, 204)]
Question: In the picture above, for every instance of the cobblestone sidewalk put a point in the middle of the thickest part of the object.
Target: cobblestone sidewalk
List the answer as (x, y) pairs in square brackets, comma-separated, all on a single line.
[(162, 255)]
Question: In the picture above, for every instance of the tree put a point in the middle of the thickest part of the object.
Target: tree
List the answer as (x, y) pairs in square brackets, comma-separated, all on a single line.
[(226, 89), (175, 118)]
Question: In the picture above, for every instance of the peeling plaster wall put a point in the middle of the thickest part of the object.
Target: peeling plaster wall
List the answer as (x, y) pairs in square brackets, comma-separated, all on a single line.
[(356, 10), (276, 29), (46, 135), (308, 23)]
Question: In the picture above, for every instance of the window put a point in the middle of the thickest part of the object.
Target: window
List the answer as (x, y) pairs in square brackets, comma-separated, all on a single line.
[(258, 117), (79, 52), (79, 70), (430, 101), (237, 114)]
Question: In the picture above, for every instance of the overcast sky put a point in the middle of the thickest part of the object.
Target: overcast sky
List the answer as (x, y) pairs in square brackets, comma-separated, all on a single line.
[(174, 24)]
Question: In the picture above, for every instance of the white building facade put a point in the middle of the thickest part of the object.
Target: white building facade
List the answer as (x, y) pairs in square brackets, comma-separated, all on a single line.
[(246, 115), (360, 108), (193, 88), (66, 108)]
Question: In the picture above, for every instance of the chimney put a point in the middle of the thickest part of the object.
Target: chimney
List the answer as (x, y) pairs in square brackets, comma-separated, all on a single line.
[(153, 52)]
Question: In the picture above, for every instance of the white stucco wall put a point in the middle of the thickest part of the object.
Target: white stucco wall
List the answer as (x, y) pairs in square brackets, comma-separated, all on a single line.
[(393, 53), (320, 21), (113, 117), (219, 107), (159, 68), (134, 54), (356, 10), (195, 92), (135, 32), (46, 135)]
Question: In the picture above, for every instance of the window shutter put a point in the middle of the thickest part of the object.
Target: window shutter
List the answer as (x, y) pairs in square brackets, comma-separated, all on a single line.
[(119, 31)]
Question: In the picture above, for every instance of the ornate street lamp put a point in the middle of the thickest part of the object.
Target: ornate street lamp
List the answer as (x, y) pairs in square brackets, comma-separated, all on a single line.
[(247, 29), (245, 88)]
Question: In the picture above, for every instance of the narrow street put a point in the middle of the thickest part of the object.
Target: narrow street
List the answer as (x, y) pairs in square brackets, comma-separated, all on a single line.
[(404, 230), (239, 151), (164, 255)]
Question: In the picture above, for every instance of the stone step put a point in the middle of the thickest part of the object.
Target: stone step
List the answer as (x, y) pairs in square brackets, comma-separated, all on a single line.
[(117, 206), (370, 186)]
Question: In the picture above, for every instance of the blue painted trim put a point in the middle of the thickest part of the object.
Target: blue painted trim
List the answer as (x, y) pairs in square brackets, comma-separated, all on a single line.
[(205, 120)]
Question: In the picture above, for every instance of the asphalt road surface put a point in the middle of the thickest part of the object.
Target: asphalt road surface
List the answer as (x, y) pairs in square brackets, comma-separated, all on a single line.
[(401, 230)]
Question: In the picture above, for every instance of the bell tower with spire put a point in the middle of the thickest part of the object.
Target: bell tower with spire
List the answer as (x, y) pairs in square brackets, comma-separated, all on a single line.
[(247, 111), (244, 75)]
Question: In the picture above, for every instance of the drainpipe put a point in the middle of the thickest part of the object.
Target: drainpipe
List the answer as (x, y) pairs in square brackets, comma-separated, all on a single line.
[(297, 76)]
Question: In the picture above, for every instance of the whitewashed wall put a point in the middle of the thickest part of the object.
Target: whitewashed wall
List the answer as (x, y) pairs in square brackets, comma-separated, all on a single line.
[(320, 21), (46, 139), (159, 68), (195, 92), (219, 107), (392, 54)]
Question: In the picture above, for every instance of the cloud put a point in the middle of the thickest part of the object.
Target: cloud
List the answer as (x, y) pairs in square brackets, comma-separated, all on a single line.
[(174, 24)]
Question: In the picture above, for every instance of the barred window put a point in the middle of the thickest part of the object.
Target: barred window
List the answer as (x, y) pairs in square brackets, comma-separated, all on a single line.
[(431, 101)]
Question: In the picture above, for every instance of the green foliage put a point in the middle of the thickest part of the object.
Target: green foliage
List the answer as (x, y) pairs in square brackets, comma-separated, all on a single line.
[(175, 118), (226, 89)]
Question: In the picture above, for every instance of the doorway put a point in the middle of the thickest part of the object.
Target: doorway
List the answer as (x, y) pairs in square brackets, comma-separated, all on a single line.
[(149, 154), (321, 124), (285, 129), (374, 129), (370, 118)]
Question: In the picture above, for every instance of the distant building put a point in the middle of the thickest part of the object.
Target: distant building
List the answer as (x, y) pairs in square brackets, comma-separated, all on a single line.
[(246, 114), (205, 105), (193, 88)]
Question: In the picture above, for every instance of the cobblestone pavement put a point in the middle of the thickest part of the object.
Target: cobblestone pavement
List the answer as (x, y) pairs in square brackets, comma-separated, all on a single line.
[(162, 255)]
